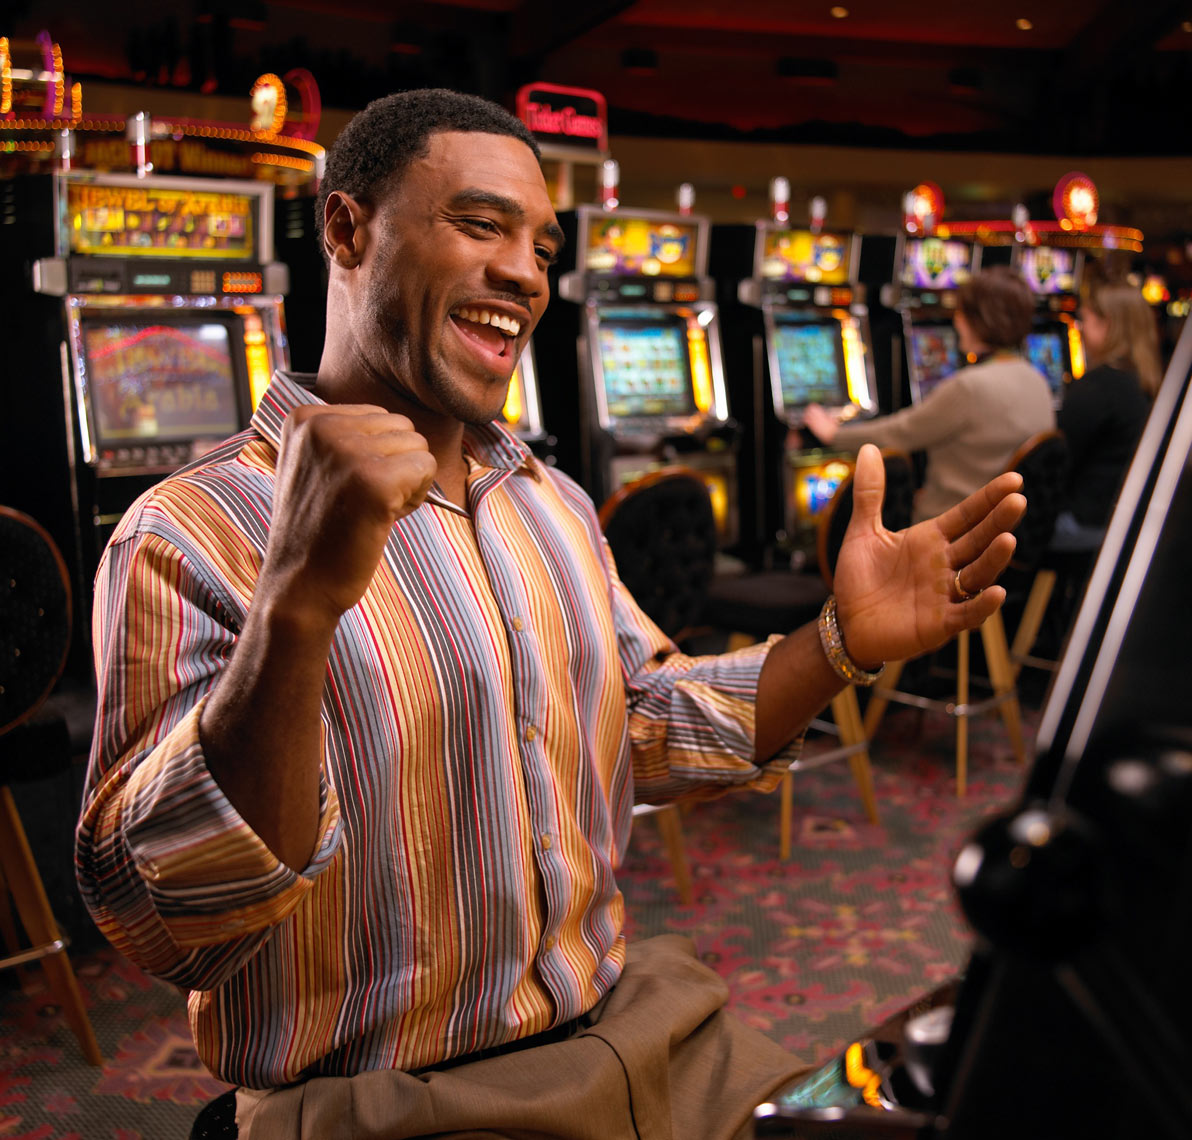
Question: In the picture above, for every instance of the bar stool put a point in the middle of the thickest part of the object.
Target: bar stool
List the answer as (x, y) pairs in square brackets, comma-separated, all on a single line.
[(35, 622), (662, 532), (1042, 461), (752, 606)]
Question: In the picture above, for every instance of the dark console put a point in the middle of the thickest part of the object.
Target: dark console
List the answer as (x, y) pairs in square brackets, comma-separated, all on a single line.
[(1073, 1017)]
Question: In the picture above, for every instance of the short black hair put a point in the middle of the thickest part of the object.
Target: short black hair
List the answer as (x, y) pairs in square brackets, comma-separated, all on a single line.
[(382, 140)]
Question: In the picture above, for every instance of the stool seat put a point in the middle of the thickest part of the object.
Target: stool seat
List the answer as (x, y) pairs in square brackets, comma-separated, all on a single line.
[(769, 601)]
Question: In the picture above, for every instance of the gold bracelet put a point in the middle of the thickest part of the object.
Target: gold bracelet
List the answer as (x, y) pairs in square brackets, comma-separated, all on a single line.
[(842, 664)]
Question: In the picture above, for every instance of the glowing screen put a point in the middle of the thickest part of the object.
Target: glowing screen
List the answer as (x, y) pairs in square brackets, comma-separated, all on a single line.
[(800, 255), (935, 353), (647, 370), (814, 485), (643, 247), (810, 363), (1045, 350), (1049, 270), (932, 263), (153, 221), (159, 381)]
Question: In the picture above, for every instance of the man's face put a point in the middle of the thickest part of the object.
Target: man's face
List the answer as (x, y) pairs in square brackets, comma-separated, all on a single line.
[(455, 275)]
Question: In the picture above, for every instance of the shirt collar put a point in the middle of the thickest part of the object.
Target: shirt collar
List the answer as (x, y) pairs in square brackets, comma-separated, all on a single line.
[(491, 445), (285, 392)]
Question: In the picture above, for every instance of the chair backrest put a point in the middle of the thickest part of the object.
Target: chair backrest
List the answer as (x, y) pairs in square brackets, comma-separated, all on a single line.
[(1042, 461), (896, 509), (663, 536), (35, 616)]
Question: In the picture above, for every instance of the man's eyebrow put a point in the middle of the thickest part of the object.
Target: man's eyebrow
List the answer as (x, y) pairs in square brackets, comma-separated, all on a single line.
[(475, 196)]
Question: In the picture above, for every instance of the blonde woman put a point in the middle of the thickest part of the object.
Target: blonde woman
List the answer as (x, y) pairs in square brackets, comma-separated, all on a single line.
[(1105, 410)]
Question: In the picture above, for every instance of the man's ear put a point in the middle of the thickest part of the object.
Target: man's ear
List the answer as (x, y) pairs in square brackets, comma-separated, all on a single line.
[(345, 229)]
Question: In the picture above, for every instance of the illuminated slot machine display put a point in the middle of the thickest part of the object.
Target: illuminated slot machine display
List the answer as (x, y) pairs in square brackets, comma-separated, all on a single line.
[(817, 350), (160, 308), (929, 271), (647, 346), (173, 312), (1053, 345)]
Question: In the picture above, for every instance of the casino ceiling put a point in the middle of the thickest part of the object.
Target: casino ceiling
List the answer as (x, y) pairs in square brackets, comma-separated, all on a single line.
[(1103, 77)]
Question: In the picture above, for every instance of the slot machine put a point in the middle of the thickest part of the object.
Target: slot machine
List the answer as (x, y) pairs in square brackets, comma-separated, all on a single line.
[(1054, 345), (928, 271), (633, 337), (155, 320), (810, 325)]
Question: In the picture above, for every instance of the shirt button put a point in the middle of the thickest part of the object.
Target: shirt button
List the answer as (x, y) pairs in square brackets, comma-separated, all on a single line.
[(531, 732), (518, 624), (548, 943), (546, 842)]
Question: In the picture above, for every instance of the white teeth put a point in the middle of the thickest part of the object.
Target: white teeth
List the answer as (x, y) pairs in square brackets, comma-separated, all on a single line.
[(483, 317)]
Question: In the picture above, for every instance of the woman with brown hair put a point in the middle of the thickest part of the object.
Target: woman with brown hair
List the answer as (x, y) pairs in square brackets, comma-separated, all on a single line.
[(971, 423), (1105, 410)]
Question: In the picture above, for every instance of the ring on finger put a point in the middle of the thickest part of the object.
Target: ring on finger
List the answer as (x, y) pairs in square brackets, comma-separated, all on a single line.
[(961, 592)]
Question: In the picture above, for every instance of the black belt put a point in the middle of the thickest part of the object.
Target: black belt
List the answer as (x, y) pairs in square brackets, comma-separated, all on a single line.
[(555, 1034)]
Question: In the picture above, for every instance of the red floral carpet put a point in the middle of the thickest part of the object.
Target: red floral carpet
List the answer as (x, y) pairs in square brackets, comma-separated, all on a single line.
[(856, 925)]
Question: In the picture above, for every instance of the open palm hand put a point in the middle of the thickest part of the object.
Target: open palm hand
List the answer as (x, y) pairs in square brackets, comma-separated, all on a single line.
[(902, 593)]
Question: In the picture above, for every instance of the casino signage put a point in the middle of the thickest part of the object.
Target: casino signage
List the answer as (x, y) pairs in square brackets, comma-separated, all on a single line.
[(565, 116)]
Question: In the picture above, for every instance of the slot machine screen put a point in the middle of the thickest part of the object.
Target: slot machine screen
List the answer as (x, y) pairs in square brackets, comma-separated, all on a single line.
[(1045, 350), (1049, 270), (800, 255), (933, 263), (646, 368), (160, 220), (810, 362), (813, 483), (935, 351), (152, 379), (629, 246)]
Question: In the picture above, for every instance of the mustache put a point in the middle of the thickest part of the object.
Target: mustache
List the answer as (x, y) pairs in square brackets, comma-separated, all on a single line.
[(507, 299)]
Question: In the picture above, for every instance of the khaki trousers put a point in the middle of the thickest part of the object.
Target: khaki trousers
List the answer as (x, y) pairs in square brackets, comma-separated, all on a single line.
[(662, 1061)]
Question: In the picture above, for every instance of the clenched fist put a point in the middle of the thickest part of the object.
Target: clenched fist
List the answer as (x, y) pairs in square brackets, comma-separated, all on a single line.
[(345, 474)]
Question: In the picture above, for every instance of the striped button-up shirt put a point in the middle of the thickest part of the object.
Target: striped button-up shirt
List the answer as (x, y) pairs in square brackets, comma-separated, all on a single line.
[(491, 707)]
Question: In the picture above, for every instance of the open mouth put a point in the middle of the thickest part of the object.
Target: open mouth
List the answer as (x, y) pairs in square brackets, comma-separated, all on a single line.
[(492, 331)]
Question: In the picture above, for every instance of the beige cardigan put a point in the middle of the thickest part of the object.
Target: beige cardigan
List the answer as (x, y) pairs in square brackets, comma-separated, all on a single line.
[(969, 425)]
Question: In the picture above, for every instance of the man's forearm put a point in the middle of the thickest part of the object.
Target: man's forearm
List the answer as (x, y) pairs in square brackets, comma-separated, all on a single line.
[(261, 731), (795, 684)]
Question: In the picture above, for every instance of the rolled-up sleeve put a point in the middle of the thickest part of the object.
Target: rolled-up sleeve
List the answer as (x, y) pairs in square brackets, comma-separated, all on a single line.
[(170, 871), (692, 722)]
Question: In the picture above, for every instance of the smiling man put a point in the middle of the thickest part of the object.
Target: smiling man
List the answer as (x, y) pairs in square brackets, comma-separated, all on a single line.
[(375, 705)]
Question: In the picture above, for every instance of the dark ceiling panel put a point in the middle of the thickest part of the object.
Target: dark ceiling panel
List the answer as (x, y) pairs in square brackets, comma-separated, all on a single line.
[(1094, 76)]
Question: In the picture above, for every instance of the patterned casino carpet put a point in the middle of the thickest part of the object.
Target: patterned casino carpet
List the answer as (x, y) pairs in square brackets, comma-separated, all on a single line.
[(858, 923)]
